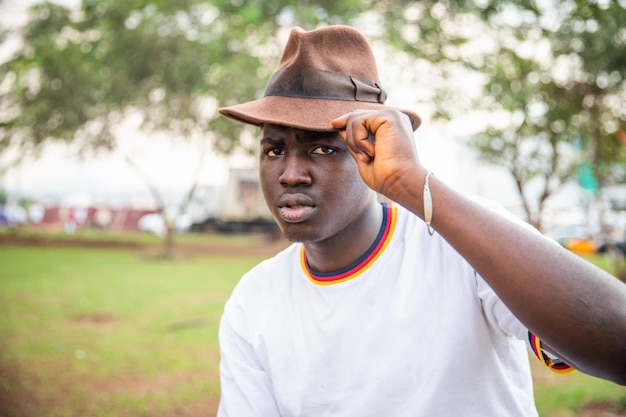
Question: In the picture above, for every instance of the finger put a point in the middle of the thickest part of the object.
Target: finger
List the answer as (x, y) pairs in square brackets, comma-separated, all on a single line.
[(360, 157), (358, 139), (340, 122)]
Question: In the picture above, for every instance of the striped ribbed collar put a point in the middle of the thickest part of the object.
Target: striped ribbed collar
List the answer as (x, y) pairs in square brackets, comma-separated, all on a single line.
[(364, 262)]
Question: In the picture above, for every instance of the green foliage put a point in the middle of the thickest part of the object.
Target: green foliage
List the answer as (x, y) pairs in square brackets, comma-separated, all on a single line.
[(81, 72), (554, 81)]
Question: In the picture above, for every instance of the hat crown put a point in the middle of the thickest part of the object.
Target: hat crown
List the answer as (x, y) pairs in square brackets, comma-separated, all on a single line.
[(322, 74), (340, 49)]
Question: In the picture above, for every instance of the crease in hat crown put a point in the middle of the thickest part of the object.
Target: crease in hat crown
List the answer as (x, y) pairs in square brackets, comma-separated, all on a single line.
[(321, 75), (340, 49)]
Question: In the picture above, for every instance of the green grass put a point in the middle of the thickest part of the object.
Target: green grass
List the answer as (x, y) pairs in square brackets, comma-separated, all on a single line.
[(109, 332), (566, 395), (95, 332)]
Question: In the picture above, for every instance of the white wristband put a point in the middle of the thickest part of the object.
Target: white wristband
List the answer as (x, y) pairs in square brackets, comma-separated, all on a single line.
[(428, 205)]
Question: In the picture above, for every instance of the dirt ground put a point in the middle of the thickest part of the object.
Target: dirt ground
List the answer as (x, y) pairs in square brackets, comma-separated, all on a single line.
[(19, 399), (601, 410), (269, 245)]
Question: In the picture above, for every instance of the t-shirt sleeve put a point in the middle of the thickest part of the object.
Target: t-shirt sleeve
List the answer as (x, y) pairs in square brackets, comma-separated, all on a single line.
[(246, 389), (504, 324), (550, 361)]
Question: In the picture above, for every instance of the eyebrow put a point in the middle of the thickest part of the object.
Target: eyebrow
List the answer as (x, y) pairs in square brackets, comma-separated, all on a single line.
[(271, 140)]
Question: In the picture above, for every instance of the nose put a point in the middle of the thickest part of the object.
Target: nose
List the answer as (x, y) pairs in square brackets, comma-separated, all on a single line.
[(294, 172)]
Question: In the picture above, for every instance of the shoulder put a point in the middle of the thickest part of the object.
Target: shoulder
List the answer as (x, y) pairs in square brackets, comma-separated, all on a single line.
[(253, 302), (268, 276), (429, 257)]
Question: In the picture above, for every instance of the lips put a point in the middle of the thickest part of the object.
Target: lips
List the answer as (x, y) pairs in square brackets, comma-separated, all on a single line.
[(295, 208)]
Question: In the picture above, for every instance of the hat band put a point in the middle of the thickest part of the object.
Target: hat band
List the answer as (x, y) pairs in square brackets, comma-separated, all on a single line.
[(320, 84)]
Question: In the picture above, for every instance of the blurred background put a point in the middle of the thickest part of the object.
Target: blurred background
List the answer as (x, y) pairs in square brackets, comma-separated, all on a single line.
[(109, 105), (109, 136)]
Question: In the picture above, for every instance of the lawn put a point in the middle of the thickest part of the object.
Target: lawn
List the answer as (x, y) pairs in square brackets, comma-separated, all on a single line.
[(110, 332), (91, 332)]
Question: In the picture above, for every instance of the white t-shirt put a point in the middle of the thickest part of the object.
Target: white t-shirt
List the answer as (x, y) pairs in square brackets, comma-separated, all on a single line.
[(408, 330)]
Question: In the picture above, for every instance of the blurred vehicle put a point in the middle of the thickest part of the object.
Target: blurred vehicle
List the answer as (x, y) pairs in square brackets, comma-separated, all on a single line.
[(236, 207), (13, 215), (616, 245), (155, 223), (582, 239), (581, 245), (578, 238)]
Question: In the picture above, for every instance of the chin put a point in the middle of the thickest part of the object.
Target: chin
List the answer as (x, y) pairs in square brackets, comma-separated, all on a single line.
[(299, 235)]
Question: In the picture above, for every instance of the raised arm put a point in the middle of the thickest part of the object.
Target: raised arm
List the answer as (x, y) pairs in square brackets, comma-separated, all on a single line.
[(575, 308)]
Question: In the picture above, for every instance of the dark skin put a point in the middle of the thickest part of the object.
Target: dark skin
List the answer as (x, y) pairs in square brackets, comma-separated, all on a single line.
[(313, 189), (575, 308)]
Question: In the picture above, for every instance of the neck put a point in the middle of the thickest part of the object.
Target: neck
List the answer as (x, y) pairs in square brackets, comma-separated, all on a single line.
[(349, 244)]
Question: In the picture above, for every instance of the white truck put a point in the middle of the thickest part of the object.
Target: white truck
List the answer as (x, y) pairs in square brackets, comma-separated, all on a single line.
[(237, 207)]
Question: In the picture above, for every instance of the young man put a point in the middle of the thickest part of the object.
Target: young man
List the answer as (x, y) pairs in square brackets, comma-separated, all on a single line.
[(423, 306)]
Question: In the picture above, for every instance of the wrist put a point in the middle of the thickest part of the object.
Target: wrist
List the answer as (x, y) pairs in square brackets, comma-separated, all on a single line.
[(405, 187)]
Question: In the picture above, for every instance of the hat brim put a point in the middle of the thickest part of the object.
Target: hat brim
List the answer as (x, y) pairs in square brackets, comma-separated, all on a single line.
[(302, 113)]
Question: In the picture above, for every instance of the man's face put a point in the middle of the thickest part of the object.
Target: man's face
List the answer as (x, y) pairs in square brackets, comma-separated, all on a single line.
[(310, 182)]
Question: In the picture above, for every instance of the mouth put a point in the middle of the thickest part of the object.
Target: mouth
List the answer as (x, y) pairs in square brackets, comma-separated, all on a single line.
[(295, 214), (295, 208)]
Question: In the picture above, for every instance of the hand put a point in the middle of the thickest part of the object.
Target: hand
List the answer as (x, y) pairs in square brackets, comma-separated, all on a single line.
[(391, 157)]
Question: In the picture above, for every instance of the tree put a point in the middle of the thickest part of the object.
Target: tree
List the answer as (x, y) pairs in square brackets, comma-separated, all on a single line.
[(552, 73), (81, 72), (554, 82)]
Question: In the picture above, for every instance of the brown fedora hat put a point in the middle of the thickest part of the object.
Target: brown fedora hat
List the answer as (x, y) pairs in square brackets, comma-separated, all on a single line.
[(322, 74)]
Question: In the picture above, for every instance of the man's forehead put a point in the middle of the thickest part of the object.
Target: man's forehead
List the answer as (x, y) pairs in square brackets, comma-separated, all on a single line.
[(279, 131)]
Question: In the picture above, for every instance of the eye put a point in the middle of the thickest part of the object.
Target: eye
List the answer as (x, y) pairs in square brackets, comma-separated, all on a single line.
[(323, 150), (273, 152)]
